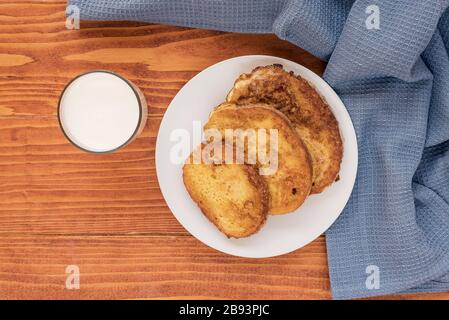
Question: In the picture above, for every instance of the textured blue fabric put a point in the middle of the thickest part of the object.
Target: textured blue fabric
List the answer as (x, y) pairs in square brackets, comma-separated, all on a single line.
[(395, 84)]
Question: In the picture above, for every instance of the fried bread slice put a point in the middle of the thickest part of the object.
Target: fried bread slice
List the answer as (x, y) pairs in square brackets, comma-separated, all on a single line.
[(290, 183), (232, 196), (309, 113)]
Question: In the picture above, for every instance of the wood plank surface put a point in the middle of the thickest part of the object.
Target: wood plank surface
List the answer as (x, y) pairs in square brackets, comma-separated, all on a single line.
[(105, 213)]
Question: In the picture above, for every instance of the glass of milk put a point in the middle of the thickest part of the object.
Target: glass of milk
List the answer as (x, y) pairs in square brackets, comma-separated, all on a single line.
[(101, 112)]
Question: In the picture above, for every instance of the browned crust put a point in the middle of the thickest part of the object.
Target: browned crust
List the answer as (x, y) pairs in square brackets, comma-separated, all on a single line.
[(292, 132), (254, 179), (259, 183), (320, 122), (283, 124)]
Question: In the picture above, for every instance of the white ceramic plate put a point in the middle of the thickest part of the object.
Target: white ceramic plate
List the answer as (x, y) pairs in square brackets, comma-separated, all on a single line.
[(281, 234)]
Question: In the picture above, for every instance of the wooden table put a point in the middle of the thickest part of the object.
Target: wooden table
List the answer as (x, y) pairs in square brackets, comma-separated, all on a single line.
[(105, 213)]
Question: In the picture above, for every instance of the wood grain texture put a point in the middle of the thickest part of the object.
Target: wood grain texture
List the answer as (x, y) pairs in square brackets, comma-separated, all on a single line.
[(105, 213)]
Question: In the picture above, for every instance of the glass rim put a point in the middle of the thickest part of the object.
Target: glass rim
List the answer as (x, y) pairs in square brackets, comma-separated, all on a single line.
[(139, 122)]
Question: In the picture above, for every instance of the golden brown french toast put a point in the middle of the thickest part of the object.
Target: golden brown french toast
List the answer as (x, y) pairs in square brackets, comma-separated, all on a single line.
[(309, 113), (290, 184), (232, 196)]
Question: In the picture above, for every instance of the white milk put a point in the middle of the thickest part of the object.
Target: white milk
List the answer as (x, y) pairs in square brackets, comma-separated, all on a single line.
[(100, 112)]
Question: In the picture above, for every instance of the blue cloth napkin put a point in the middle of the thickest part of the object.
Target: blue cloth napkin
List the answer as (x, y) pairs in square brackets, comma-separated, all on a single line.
[(393, 235)]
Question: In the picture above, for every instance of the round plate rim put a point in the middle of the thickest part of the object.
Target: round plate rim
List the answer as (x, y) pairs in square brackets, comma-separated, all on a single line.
[(309, 74)]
